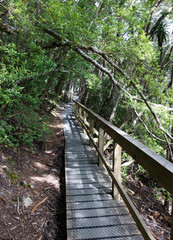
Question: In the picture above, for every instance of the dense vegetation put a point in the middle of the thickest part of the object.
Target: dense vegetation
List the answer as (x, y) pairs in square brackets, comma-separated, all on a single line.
[(116, 54)]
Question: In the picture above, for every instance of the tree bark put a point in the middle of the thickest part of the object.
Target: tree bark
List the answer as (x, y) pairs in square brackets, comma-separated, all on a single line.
[(111, 76), (115, 108)]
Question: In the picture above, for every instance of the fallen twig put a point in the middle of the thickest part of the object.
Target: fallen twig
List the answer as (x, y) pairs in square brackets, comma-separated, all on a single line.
[(38, 204), (18, 203), (40, 237)]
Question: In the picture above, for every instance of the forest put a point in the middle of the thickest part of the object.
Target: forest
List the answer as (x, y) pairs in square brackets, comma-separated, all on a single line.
[(117, 56)]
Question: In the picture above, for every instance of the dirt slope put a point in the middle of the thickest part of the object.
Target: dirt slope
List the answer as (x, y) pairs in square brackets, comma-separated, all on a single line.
[(32, 200)]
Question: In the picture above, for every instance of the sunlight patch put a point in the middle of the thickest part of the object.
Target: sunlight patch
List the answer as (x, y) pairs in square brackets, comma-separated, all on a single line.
[(2, 169), (41, 166), (50, 179)]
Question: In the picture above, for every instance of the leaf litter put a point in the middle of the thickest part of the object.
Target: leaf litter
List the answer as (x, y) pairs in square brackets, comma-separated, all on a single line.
[(32, 196)]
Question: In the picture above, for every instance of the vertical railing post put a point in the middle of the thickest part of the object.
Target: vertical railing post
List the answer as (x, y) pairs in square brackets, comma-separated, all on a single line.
[(77, 113), (80, 116), (80, 113), (116, 168), (91, 121), (77, 108), (85, 120), (101, 144), (74, 108)]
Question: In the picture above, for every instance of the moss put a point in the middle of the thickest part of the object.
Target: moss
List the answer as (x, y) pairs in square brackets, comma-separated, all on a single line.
[(12, 175), (10, 161), (24, 184)]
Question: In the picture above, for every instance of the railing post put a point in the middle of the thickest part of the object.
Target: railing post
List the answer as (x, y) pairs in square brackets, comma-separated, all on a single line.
[(116, 168), (80, 113), (84, 120), (80, 116), (77, 108), (91, 121), (74, 108), (101, 144)]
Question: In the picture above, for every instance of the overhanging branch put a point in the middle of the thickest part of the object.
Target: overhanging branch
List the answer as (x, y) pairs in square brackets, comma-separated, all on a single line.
[(111, 76)]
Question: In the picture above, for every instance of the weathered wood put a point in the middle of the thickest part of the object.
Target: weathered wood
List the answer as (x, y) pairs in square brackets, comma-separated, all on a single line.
[(157, 166), (91, 125), (85, 119), (136, 216), (80, 114), (116, 168), (75, 108), (95, 130), (101, 144), (107, 144), (91, 211)]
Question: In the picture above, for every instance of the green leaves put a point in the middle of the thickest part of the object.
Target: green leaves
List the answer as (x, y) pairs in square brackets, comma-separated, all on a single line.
[(93, 81), (35, 66), (20, 91)]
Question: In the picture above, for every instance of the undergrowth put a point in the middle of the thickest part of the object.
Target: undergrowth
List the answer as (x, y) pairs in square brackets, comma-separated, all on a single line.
[(24, 126)]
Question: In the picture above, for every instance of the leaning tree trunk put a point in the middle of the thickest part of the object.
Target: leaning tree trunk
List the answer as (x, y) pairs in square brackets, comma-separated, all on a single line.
[(115, 108)]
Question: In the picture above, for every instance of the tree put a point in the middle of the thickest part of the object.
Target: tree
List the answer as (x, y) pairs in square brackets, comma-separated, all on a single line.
[(100, 45)]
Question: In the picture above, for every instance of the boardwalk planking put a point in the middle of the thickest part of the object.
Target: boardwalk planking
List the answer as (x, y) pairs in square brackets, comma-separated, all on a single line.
[(91, 211)]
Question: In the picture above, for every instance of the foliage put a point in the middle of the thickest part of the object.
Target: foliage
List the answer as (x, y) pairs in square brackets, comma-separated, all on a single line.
[(40, 64), (19, 96)]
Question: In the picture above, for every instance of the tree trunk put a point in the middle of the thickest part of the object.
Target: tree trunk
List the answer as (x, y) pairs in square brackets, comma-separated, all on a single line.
[(115, 108)]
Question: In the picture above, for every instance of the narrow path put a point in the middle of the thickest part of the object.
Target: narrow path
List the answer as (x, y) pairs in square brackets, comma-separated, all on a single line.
[(91, 211)]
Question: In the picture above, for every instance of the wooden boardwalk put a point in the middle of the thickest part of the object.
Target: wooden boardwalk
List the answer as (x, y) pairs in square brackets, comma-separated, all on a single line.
[(91, 211)]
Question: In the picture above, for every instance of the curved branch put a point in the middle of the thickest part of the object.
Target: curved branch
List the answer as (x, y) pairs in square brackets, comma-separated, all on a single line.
[(111, 76), (119, 86)]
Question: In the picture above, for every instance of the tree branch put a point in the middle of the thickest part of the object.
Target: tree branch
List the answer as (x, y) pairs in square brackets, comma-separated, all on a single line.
[(111, 76), (145, 126), (119, 86), (7, 29)]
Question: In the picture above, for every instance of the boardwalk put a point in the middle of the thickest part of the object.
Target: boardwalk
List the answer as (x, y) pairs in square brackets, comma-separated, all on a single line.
[(91, 211)]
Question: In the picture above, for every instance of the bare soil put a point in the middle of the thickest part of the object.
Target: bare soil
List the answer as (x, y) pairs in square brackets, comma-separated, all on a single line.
[(156, 217), (32, 195)]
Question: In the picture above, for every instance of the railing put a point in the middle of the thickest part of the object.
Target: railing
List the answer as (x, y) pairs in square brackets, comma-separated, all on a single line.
[(157, 166)]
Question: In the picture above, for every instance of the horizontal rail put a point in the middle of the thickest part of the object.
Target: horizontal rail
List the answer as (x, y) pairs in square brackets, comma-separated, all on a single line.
[(160, 168)]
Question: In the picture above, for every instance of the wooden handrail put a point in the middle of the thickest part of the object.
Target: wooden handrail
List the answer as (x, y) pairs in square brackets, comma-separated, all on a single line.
[(160, 168)]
